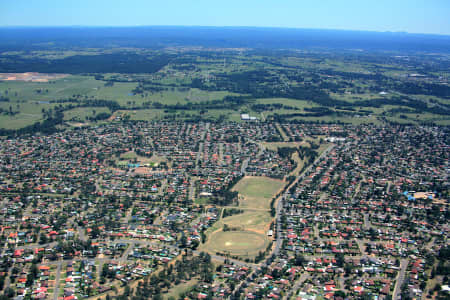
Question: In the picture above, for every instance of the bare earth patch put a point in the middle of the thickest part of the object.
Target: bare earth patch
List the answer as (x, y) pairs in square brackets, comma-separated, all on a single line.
[(31, 76)]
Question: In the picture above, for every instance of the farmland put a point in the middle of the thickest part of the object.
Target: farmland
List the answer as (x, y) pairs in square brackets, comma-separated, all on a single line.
[(29, 100), (218, 86)]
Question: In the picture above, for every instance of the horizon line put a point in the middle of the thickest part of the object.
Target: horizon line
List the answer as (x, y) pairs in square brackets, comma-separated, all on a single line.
[(222, 26)]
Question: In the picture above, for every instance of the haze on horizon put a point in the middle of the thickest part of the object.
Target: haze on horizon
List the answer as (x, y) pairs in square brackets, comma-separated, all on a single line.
[(413, 16)]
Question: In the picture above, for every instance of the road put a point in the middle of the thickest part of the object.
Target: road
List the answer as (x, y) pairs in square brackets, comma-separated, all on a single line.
[(192, 190), (57, 278), (361, 246), (200, 146), (296, 285), (282, 133), (279, 240), (197, 160), (366, 221), (34, 246), (246, 161), (59, 264), (125, 253), (244, 165), (81, 233), (400, 278)]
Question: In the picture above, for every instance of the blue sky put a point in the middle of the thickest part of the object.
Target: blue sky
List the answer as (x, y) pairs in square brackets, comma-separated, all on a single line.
[(415, 16)]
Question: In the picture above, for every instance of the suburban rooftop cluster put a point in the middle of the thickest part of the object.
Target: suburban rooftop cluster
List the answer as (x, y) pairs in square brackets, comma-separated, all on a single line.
[(136, 209)]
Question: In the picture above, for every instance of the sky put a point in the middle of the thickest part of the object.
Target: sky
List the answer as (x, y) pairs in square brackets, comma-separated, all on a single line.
[(413, 16)]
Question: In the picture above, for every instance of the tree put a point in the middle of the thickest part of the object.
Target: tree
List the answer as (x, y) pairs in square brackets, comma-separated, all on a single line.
[(183, 241), (340, 261), (299, 260), (105, 271), (158, 297), (95, 231), (43, 238), (9, 293), (339, 294), (348, 269), (126, 291)]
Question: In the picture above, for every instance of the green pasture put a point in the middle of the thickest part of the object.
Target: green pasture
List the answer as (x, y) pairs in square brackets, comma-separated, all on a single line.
[(82, 113)]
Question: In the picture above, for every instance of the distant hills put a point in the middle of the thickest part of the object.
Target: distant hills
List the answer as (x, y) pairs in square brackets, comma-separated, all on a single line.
[(38, 38)]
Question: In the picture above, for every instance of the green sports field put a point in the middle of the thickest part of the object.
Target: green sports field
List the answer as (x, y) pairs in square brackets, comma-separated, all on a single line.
[(245, 244), (256, 192), (248, 230)]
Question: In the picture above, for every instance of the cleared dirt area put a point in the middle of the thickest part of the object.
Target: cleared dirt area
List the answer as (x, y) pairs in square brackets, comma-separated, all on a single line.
[(30, 76)]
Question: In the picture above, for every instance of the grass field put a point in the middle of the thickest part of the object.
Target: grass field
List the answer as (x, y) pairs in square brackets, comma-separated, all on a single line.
[(177, 290), (90, 88), (274, 146), (201, 200), (249, 235), (131, 156), (161, 114), (29, 99), (250, 220), (82, 113), (300, 104), (256, 192), (18, 121), (334, 119), (245, 244), (300, 162), (363, 119)]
